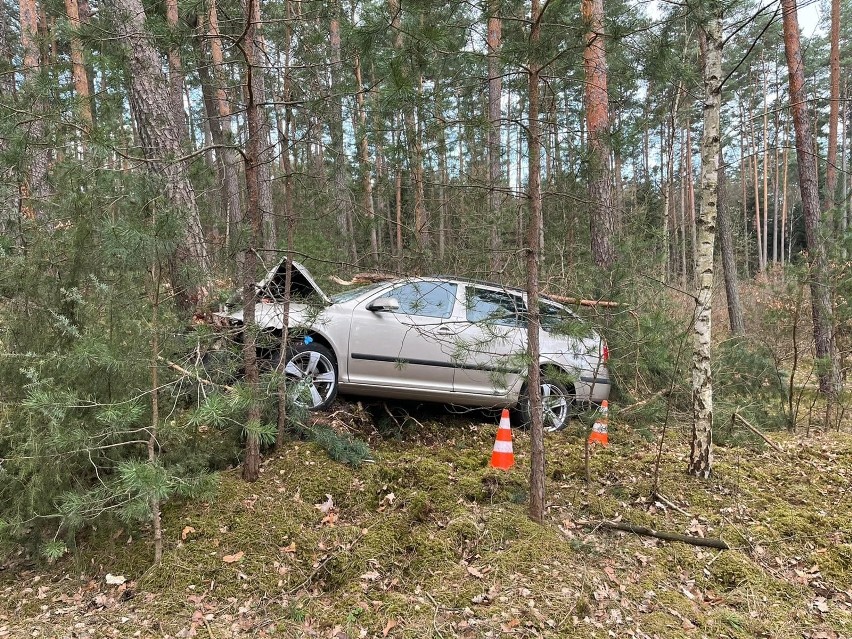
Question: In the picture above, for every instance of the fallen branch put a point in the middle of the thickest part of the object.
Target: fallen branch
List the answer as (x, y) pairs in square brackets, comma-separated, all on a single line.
[(667, 502), (575, 300), (363, 278), (667, 536), (755, 431), (647, 400)]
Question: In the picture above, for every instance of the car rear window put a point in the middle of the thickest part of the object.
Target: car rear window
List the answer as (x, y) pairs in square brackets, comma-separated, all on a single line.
[(495, 307)]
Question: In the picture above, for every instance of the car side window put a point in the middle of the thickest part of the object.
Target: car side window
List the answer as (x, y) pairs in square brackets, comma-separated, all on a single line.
[(495, 307), (426, 299)]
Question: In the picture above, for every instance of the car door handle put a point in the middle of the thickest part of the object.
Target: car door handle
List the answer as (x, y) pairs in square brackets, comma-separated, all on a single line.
[(445, 330)]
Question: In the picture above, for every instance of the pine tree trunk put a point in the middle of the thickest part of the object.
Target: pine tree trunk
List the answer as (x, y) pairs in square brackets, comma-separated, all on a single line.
[(701, 453), (761, 256), (176, 79), (729, 262), (443, 178), (265, 147), (34, 188), (78, 67), (251, 462), (597, 117), (765, 247), (156, 520), (844, 208), (495, 91), (537, 494), (776, 182), (162, 145), (834, 111), (786, 163), (682, 223), (366, 172), (228, 156), (829, 378), (289, 229), (342, 197)]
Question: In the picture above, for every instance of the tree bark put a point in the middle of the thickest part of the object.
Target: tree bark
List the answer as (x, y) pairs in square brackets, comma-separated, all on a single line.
[(597, 117), (821, 308), (176, 79), (33, 188), (729, 262), (533, 250), (834, 110), (162, 145), (495, 91), (228, 155), (78, 66), (366, 169), (701, 453), (342, 197), (265, 147), (254, 124)]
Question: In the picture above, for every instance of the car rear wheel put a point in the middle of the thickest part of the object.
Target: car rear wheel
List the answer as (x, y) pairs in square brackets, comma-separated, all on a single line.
[(311, 368), (557, 402)]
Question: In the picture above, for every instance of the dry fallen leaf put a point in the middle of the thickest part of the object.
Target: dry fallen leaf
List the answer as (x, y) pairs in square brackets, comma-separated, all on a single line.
[(229, 559), (291, 548), (473, 572), (390, 625), (186, 532)]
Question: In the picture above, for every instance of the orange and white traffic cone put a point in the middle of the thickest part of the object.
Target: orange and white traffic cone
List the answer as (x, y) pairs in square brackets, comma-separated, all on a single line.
[(599, 434), (503, 457)]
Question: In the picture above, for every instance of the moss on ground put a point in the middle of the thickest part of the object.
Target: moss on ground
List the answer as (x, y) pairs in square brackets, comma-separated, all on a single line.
[(429, 541)]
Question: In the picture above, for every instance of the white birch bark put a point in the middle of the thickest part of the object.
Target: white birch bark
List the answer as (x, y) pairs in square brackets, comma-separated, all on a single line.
[(701, 454)]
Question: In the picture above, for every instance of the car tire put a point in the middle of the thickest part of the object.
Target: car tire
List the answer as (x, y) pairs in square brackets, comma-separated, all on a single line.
[(558, 402), (314, 367)]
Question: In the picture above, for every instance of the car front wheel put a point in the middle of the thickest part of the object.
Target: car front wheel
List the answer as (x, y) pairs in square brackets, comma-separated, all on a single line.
[(556, 401), (311, 369)]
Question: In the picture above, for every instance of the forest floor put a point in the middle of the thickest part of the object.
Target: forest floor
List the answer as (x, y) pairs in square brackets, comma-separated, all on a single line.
[(429, 541)]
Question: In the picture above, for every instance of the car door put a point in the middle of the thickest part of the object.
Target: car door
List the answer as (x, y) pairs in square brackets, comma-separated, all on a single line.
[(408, 348), (492, 341)]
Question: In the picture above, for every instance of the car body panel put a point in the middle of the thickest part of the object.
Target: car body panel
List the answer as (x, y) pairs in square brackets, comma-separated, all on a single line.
[(451, 340)]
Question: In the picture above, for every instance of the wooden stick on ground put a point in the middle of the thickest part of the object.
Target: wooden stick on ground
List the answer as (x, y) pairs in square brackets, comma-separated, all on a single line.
[(660, 534), (755, 431)]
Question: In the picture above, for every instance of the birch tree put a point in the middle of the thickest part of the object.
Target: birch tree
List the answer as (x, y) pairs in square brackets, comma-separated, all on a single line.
[(701, 454)]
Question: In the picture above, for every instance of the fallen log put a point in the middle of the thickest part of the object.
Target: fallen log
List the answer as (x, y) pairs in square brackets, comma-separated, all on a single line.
[(710, 542)]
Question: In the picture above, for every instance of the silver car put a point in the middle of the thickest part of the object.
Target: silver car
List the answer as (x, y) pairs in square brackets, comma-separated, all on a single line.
[(439, 339)]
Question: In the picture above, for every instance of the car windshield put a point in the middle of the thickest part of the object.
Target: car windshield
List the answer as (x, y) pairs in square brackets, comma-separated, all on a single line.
[(351, 294)]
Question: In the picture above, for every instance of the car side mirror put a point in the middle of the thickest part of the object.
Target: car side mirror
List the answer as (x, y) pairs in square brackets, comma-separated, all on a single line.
[(383, 304)]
